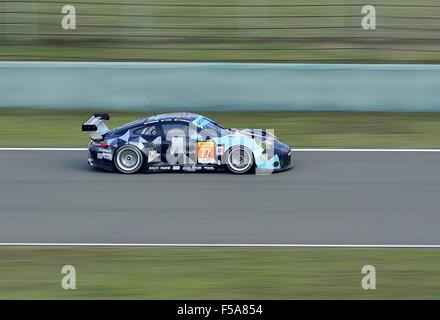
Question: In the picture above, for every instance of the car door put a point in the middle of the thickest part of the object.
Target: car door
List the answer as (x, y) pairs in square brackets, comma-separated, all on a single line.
[(152, 141), (177, 147)]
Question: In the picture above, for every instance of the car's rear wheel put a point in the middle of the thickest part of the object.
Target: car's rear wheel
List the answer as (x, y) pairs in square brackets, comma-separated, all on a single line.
[(128, 159), (239, 160)]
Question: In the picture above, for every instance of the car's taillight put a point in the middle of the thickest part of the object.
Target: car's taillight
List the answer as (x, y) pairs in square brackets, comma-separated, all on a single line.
[(100, 144)]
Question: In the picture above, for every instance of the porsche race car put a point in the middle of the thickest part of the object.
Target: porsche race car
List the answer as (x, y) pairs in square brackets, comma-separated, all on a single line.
[(184, 142)]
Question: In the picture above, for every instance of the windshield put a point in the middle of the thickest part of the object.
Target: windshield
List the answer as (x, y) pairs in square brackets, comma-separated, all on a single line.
[(211, 125)]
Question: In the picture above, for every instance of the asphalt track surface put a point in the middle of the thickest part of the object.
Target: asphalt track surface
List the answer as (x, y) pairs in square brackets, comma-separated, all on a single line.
[(328, 198)]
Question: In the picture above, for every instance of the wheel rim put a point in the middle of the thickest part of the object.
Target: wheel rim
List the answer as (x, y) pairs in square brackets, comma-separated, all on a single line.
[(240, 160), (128, 160)]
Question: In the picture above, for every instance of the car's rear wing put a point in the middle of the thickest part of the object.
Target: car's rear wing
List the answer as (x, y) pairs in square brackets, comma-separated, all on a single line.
[(95, 125)]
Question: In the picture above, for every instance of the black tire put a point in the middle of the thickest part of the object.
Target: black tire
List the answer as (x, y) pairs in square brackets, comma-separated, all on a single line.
[(128, 159), (239, 160)]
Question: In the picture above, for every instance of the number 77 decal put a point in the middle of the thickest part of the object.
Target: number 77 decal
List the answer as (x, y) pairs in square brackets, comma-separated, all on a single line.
[(206, 152)]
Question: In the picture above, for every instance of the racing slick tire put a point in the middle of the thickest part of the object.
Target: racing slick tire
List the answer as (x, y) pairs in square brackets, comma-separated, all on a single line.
[(128, 159), (239, 160)]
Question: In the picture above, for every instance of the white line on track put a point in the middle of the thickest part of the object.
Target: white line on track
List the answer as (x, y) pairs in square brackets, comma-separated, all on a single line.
[(216, 245), (295, 150)]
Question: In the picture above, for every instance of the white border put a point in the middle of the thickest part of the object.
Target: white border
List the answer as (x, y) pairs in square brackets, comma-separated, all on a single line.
[(215, 245)]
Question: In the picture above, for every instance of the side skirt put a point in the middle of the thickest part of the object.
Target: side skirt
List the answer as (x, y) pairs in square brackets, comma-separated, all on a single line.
[(184, 168)]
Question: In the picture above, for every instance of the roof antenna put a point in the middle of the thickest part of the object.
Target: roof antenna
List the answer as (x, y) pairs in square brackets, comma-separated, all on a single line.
[(152, 105)]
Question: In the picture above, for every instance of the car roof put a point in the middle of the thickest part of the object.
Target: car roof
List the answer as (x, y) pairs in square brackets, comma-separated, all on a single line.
[(185, 116)]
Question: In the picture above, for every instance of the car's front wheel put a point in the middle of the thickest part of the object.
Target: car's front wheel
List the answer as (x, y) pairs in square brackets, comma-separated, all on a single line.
[(239, 160), (128, 159)]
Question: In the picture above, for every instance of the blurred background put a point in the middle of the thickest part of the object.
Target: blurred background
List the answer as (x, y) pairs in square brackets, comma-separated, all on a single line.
[(222, 30), (286, 32)]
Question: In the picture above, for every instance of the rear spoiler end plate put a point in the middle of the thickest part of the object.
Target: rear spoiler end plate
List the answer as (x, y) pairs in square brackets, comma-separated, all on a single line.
[(95, 125)]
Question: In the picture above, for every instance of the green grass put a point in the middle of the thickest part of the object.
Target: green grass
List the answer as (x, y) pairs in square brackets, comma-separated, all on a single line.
[(153, 273), (46, 128)]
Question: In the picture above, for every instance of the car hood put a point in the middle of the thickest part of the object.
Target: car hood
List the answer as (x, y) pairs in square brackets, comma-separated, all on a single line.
[(262, 134), (255, 133)]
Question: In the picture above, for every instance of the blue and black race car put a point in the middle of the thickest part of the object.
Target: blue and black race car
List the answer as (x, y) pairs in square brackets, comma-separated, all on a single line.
[(183, 142)]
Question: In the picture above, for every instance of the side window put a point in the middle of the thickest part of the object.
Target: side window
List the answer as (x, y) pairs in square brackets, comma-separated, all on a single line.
[(150, 131), (175, 129)]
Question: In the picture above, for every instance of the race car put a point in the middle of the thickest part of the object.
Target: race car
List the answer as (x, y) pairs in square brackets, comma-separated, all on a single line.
[(184, 142)]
